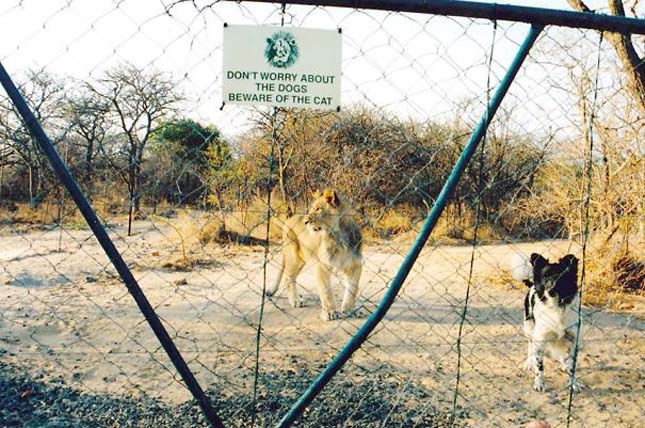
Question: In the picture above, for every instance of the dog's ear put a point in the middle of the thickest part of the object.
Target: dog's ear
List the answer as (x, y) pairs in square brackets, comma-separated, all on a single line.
[(538, 261), (569, 262), (331, 197)]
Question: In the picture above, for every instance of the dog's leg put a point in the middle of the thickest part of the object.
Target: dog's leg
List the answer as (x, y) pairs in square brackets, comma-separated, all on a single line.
[(529, 364), (573, 383), (323, 276), (560, 350), (538, 354), (352, 277), (567, 361)]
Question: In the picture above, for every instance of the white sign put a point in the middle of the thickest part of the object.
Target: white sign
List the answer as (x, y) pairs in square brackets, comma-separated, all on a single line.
[(282, 67)]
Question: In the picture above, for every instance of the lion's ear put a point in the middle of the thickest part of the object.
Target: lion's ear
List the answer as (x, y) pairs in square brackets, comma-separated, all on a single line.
[(315, 194), (331, 197)]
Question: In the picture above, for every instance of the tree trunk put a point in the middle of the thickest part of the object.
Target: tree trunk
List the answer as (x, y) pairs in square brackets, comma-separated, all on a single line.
[(138, 161), (220, 207), (641, 214), (606, 188), (131, 194), (634, 65), (1, 174), (130, 214), (282, 181), (32, 203), (89, 159)]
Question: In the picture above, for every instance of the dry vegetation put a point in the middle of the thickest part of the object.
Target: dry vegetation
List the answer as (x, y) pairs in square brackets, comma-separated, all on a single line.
[(520, 187), (391, 172)]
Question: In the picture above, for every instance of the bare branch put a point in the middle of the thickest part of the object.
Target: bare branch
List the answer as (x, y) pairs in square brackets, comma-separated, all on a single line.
[(633, 64)]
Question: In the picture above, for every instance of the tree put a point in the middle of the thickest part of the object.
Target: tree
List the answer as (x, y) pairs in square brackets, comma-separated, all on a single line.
[(221, 173), (623, 45), (621, 154), (89, 122), (188, 148), (45, 95), (139, 101)]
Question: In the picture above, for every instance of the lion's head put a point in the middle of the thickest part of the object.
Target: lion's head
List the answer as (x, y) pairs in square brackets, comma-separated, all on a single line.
[(326, 211), (281, 50)]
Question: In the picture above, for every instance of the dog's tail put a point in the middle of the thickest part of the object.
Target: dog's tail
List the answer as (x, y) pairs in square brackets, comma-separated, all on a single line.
[(521, 268)]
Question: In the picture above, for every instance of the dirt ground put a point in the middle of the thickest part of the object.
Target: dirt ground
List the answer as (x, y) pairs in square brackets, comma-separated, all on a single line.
[(65, 317)]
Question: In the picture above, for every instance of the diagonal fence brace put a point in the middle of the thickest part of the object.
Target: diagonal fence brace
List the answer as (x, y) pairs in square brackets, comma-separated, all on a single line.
[(446, 192), (108, 246)]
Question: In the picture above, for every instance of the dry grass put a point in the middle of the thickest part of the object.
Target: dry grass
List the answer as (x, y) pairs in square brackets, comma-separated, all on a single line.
[(195, 231), (404, 223), (502, 279), (250, 220), (47, 213), (615, 271), (44, 214), (393, 223), (210, 232), (109, 206), (53, 210)]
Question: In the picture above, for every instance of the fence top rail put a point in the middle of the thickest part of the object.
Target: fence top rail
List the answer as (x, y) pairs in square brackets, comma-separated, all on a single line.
[(492, 11)]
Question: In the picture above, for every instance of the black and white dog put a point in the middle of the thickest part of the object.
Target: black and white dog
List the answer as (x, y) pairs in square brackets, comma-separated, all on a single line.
[(550, 313)]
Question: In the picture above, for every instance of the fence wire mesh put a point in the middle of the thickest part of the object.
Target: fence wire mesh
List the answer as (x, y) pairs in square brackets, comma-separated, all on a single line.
[(194, 196)]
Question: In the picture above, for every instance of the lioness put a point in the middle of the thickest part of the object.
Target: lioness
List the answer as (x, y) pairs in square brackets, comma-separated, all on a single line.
[(330, 237)]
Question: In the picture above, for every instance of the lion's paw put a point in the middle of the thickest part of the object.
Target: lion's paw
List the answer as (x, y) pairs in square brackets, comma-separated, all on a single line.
[(329, 315), (360, 312), (298, 302)]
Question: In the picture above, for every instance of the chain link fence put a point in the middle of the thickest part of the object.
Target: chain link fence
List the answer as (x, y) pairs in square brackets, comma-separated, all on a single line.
[(193, 195)]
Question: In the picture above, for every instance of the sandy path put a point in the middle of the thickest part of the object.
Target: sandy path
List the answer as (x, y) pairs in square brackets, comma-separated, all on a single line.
[(62, 313)]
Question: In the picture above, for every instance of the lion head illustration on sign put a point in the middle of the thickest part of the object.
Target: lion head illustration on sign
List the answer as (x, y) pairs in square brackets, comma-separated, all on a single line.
[(281, 50)]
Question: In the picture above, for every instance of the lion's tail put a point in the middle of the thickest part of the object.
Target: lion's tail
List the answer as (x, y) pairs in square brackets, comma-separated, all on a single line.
[(274, 288)]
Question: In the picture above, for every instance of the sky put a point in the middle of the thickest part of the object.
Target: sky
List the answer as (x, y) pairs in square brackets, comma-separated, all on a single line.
[(415, 66)]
